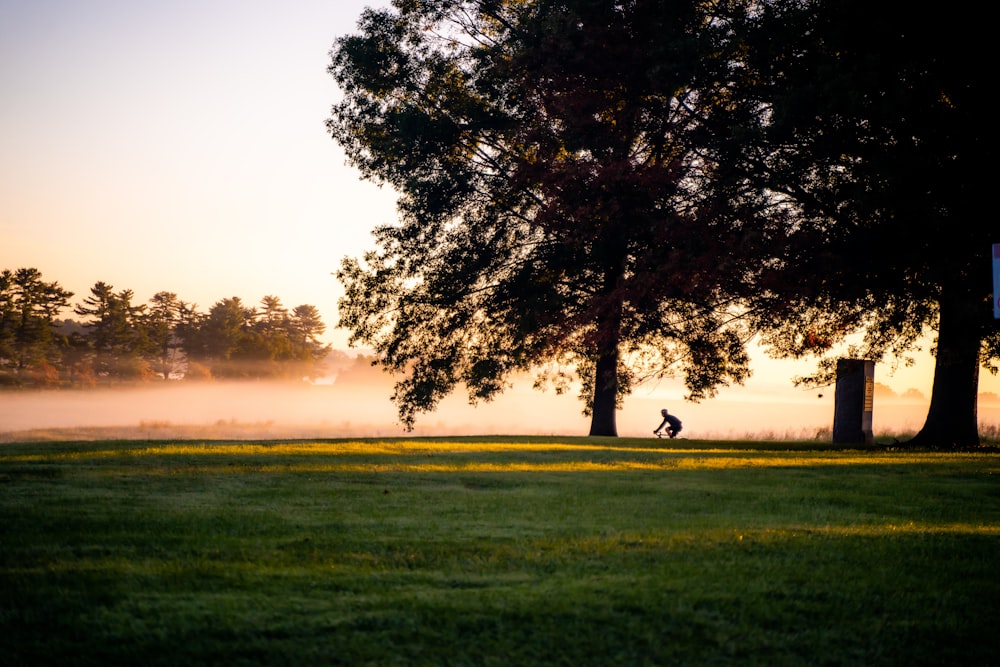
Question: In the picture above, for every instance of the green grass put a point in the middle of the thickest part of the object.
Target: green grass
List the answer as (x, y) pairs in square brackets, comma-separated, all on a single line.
[(499, 551)]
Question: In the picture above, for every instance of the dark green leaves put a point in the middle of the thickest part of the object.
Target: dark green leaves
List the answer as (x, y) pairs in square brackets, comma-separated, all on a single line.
[(557, 196)]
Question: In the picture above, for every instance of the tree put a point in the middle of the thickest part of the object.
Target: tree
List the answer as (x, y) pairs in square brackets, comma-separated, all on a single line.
[(115, 332), (160, 324), (557, 200), (235, 341), (272, 326), (305, 328), (272, 315), (28, 308), (190, 332), (290, 340), (877, 137), (120, 340), (226, 338)]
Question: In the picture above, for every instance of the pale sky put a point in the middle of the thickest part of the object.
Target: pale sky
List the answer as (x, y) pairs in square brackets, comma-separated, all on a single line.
[(180, 146)]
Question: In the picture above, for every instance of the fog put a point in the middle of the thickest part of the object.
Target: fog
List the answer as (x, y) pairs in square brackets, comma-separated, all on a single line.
[(262, 410)]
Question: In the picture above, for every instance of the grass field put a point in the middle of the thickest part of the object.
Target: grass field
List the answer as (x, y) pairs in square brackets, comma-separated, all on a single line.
[(500, 551)]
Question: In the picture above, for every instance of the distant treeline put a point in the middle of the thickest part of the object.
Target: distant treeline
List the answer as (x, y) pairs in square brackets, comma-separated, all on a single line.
[(117, 340)]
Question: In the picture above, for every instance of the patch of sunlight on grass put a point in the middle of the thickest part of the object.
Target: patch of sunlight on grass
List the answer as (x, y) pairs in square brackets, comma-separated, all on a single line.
[(639, 458), (682, 463), (712, 460), (886, 529), (475, 466)]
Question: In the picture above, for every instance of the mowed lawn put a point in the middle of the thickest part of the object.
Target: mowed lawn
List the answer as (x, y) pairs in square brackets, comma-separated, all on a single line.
[(496, 551)]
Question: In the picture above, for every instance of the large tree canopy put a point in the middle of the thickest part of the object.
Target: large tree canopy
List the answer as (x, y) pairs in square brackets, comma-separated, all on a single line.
[(877, 140), (559, 199)]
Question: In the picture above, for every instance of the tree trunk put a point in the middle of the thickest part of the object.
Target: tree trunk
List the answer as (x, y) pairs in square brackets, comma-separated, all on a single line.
[(604, 407), (952, 418), (604, 413)]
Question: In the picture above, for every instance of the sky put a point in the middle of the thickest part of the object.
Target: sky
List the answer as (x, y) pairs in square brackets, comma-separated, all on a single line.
[(180, 146)]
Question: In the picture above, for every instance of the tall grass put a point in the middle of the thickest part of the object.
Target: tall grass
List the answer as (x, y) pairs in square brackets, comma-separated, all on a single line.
[(505, 551)]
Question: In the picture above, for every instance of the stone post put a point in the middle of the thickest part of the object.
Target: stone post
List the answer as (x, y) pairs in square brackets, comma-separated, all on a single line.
[(852, 412)]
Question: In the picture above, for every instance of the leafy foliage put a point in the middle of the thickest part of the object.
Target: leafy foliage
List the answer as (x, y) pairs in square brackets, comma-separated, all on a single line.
[(559, 198), (875, 142)]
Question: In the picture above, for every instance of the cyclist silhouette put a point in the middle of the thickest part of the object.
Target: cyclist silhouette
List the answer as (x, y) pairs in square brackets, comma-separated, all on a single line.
[(672, 423)]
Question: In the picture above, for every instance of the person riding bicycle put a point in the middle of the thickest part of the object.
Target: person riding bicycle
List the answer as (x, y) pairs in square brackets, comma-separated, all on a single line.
[(674, 425)]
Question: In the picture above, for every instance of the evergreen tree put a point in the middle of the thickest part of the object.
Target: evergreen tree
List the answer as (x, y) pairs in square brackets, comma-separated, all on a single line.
[(116, 333), (161, 322), (227, 338), (305, 328), (29, 345)]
